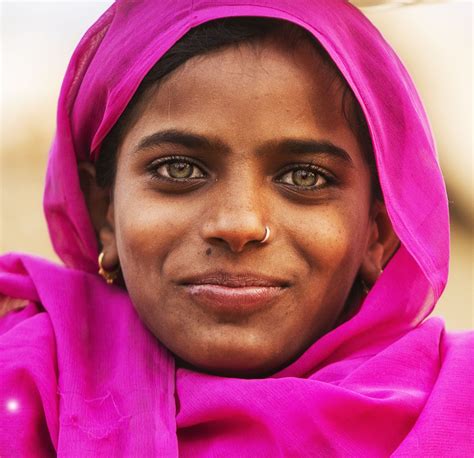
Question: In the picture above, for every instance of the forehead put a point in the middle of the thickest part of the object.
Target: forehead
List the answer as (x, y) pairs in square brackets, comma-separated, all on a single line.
[(265, 75)]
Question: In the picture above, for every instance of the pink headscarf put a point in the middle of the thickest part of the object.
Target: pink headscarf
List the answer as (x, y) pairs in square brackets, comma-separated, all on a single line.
[(82, 376)]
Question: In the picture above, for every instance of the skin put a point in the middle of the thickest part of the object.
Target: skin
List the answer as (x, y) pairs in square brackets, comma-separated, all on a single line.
[(248, 102)]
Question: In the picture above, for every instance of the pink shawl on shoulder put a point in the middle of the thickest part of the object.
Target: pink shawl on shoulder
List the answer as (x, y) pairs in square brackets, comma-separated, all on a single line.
[(80, 375)]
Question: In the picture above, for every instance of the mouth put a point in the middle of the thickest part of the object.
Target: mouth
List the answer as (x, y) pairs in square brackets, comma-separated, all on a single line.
[(234, 292)]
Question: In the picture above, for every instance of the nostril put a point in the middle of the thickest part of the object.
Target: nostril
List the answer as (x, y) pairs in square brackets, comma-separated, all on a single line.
[(235, 243), (236, 234)]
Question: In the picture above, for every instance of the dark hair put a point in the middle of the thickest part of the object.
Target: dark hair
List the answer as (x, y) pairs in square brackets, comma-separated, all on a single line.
[(219, 34)]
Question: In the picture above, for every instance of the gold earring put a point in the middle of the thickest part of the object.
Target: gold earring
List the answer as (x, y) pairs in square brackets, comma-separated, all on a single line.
[(108, 275)]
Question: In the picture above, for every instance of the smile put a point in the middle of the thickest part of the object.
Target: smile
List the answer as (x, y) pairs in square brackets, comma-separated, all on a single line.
[(223, 292)]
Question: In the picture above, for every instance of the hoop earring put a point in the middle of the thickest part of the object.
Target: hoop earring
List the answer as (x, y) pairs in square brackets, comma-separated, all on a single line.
[(266, 236), (108, 275)]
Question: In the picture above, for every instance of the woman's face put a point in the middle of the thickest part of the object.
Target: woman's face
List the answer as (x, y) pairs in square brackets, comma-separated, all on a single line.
[(231, 142)]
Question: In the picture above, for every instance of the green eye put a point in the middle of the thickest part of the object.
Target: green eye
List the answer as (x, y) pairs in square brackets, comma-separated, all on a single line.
[(176, 169), (306, 177), (179, 169)]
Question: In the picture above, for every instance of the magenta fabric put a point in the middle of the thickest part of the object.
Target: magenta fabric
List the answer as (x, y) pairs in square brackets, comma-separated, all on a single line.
[(80, 375)]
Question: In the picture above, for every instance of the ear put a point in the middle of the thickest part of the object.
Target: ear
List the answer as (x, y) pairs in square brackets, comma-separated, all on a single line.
[(381, 246), (101, 210)]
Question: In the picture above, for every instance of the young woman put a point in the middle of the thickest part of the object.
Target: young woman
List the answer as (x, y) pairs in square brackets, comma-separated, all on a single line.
[(257, 185)]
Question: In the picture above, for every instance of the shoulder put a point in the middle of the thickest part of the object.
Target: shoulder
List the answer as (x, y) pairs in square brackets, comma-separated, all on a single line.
[(450, 344), (443, 427), (28, 373), (456, 375), (458, 344), (455, 359)]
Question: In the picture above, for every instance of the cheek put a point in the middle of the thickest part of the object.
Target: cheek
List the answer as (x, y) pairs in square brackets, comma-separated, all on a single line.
[(147, 229), (148, 233), (332, 241), (331, 238)]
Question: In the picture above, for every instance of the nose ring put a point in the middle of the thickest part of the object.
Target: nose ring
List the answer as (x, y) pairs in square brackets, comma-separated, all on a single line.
[(266, 236)]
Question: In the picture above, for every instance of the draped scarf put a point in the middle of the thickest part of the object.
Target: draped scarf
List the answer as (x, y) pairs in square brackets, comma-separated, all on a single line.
[(82, 376)]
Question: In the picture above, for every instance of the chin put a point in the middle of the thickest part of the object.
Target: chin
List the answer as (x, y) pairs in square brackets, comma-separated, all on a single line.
[(230, 369), (241, 361)]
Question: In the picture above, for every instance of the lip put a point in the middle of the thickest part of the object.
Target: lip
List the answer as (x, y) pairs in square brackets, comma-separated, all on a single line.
[(234, 292), (234, 279)]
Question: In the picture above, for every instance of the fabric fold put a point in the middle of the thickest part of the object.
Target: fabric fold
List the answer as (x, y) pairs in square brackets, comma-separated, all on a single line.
[(80, 373)]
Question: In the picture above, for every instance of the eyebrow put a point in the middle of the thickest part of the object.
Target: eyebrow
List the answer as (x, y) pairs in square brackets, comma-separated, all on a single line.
[(180, 137), (297, 146), (196, 141)]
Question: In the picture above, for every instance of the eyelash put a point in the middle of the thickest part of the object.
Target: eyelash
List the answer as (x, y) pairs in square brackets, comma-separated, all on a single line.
[(308, 167), (157, 164), (328, 177)]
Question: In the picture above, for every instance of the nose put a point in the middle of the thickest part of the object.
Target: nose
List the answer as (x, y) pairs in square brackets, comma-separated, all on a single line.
[(235, 219)]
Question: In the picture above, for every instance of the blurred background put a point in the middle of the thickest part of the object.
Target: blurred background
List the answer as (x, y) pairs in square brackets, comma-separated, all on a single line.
[(37, 38)]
